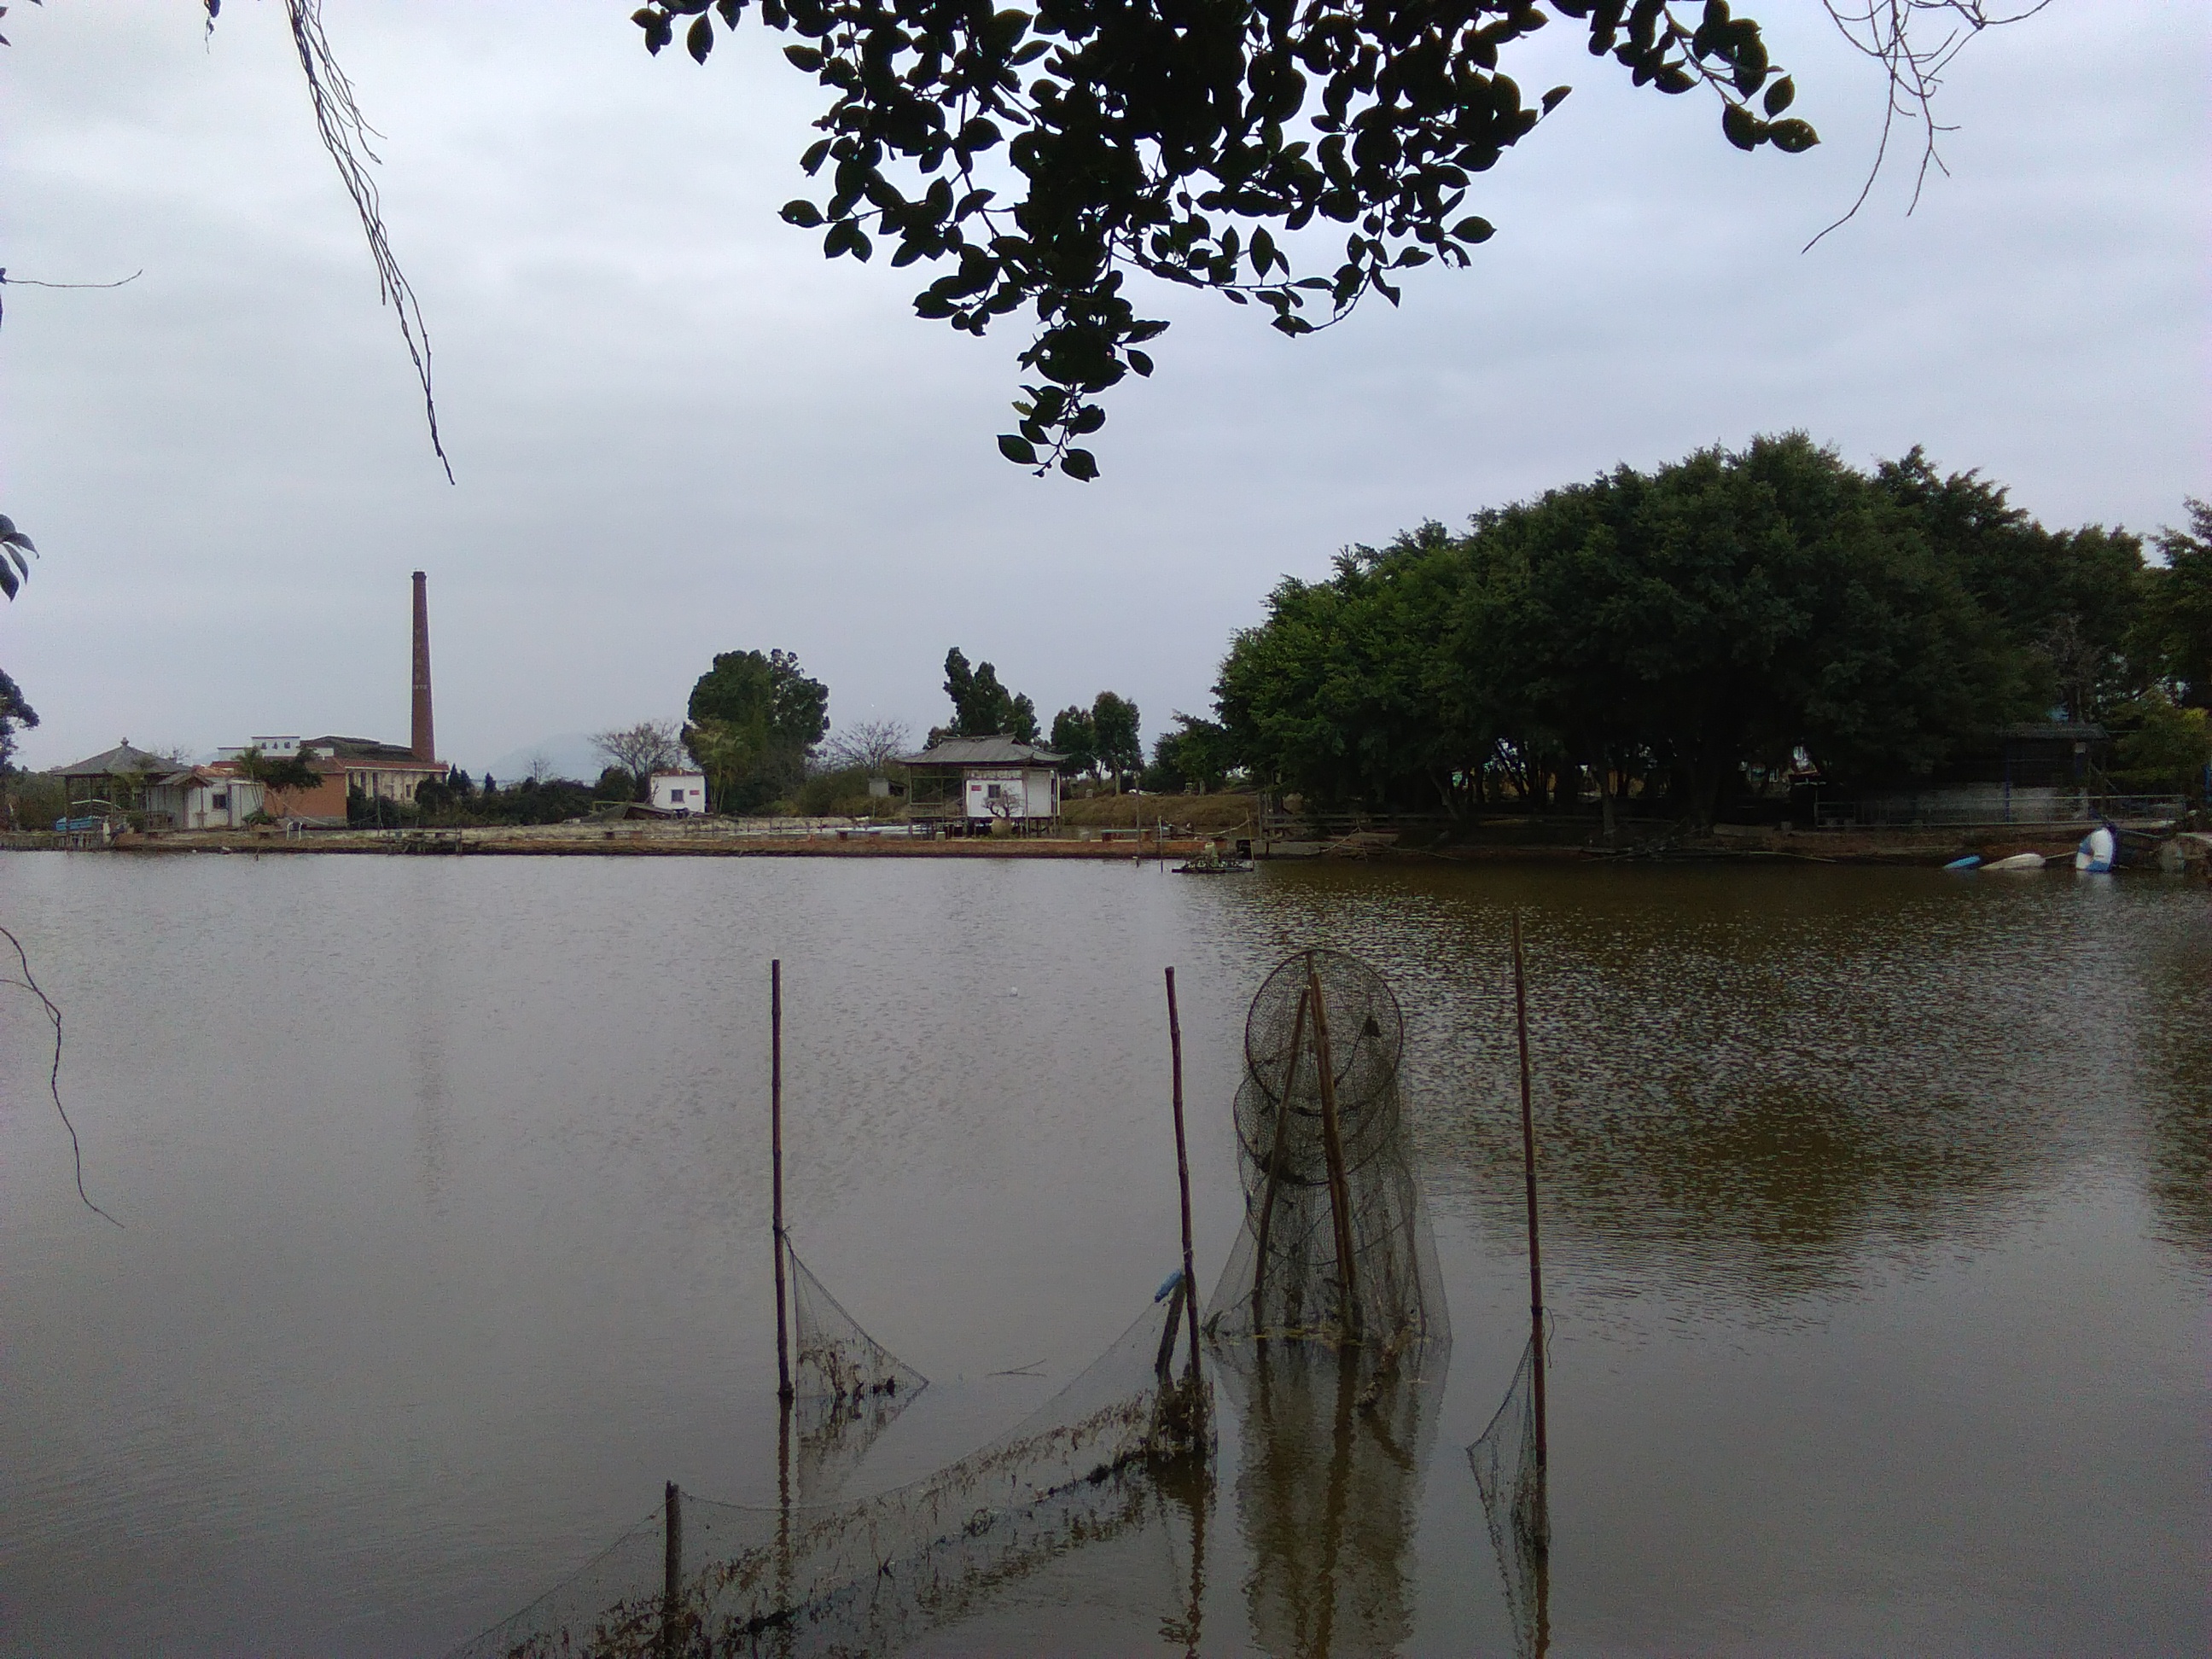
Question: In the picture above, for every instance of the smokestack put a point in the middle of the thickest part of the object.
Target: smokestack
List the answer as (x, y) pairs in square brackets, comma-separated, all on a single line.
[(425, 745)]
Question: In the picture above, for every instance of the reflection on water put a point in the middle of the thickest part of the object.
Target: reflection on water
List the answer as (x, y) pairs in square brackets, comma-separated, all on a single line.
[(1878, 1224), (2178, 1025), (1510, 1474), (1749, 1078), (1328, 1494)]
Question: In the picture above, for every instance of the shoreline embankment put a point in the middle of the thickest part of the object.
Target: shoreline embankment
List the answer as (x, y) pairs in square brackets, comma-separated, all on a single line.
[(1924, 846)]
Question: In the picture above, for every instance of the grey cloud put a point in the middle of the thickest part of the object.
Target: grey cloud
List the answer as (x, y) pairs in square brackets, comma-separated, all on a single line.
[(678, 430)]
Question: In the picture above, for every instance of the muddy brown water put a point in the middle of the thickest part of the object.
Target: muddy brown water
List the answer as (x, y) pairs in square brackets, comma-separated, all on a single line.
[(1879, 1211)]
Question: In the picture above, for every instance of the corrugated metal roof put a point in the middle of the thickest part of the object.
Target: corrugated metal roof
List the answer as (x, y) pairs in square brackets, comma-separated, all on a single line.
[(998, 749)]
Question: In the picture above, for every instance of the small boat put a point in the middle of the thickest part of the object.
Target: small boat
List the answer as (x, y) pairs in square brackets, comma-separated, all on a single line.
[(1972, 861), (1212, 861), (2018, 861), (2094, 855)]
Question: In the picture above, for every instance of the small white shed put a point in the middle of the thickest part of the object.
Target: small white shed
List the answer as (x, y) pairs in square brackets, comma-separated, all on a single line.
[(203, 798), (680, 792)]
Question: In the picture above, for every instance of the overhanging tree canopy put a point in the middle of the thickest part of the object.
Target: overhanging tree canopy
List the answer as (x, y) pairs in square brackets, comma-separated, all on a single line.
[(1184, 139)]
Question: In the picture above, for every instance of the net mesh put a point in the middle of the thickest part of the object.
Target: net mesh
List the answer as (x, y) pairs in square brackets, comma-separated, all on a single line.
[(1329, 1321), (1515, 1506), (848, 1386), (874, 1575), (1336, 1246)]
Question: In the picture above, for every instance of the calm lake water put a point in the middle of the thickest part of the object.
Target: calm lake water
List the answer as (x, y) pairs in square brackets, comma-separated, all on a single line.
[(1878, 1211)]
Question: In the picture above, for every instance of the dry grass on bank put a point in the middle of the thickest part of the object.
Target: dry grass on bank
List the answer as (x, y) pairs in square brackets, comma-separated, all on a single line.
[(1219, 814)]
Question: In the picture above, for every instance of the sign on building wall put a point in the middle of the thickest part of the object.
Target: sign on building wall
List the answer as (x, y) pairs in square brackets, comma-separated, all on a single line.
[(998, 792)]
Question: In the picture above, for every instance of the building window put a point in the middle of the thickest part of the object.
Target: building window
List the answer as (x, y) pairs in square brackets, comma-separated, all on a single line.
[(221, 803)]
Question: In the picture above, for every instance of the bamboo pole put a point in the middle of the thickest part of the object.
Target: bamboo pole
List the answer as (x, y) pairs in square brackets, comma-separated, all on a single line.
[(1339, 1190), (1182, 1169), (671, 1583), (775, 1162), (1529, 1169), (1275, 1164)]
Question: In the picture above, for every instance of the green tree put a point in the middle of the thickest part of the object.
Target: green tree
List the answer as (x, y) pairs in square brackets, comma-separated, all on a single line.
[(2069, 601), (1192, 147), (1114, 736), (278, 773), (1683, 625), (2166, 747), (1075, 737), (981, 707), (2178, 608), (1344, 694), (1197, 752), (15, 712), (753, 717)]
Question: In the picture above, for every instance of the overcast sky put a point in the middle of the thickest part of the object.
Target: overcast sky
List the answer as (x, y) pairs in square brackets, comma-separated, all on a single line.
[(678, 430)]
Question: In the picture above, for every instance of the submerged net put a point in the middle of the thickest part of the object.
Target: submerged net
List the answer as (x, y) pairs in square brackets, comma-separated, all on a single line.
[(1328, 1492), (1336, 1246), (1516, 1507), (877, 1574), (848, 1386), (1329, 1320)]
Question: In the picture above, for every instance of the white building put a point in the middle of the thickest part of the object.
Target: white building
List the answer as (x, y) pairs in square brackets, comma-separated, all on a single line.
[(980, 779), (203, 798), (680, 792)]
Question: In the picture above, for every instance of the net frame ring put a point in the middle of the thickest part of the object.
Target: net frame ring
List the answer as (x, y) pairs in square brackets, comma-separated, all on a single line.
[(1366, 1026)]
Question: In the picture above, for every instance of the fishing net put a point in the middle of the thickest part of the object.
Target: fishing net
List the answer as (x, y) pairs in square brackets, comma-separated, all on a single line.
[(1328, 1493), (1515, 1506), (848, 1388), (874, 1575), (1336, 1246), (1329, 1321)]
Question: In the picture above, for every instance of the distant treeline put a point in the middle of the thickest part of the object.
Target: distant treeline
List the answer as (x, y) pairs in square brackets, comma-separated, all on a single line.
[(1726, 618)]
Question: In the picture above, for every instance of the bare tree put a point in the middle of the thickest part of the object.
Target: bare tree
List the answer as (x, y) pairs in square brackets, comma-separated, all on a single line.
[(869, 745), (649, 746), (1885, 30)]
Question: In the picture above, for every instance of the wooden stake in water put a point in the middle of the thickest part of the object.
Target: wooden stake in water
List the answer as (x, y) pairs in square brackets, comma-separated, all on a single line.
[(1332, 1144), (1182, 1169), (671, 1585), (776, 1163), (1275, 1165), (1529, 1168)]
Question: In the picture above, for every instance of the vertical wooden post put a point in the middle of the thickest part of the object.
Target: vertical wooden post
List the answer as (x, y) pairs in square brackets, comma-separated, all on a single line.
[(783, 1522), (775, 1161), (1529, 1168), (672, 1588), (1332, 1143), (1182, 1169), (1275, 1165)]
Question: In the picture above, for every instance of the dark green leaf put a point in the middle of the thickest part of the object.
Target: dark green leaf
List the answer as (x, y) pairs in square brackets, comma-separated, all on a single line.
[(802, 213), (699, 39), (1780, 95), (1020, 450), (1080, 465)]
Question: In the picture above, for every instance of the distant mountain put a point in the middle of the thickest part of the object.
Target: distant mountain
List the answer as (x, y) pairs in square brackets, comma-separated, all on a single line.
[(569, 754)]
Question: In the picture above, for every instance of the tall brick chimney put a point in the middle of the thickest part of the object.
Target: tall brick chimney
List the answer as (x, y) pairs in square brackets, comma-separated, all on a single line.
[(425, 743)]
